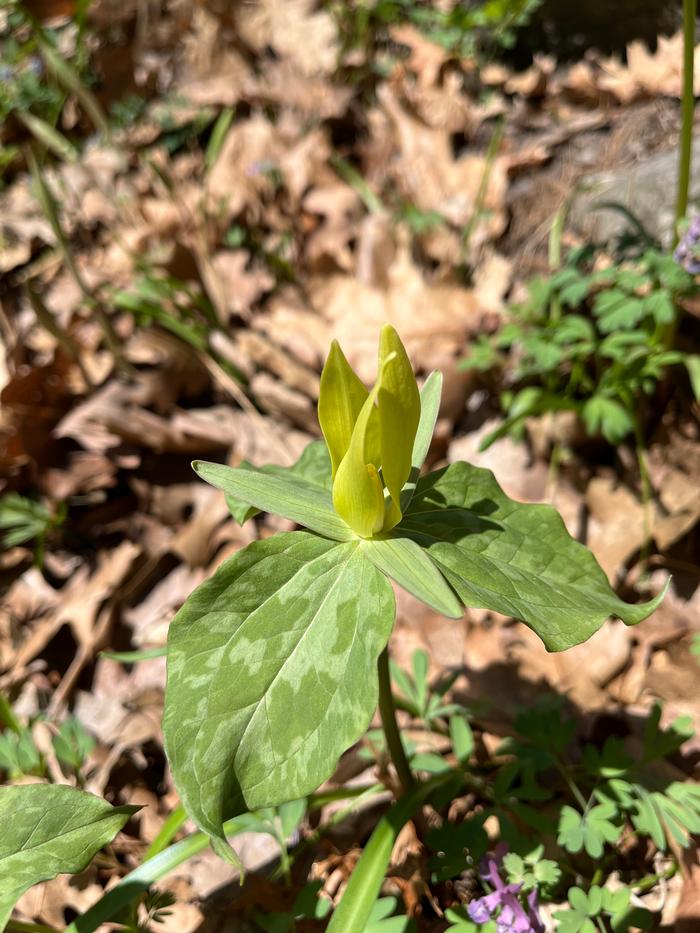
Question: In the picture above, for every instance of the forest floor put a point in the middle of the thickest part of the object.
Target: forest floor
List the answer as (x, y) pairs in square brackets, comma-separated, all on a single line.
[(265, 188)]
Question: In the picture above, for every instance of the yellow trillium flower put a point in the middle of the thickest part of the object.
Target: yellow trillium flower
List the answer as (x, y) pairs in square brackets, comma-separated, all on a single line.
[(370, 435)]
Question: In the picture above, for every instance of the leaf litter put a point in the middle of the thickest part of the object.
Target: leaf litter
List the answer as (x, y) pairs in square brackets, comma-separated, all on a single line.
[(260, 205)]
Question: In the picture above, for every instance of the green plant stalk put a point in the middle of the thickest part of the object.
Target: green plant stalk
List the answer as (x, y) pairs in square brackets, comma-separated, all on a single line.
[(153, 869), (650, 881), (133, 657), (138, 881), (71, 81), (49, 206), (167, 832), (48, 136), (554, 255), (687, 111), (8, 717), (387, 712), (491, 153), (365, 793), (285, 865), (350, 175), (362, 891), (49, 323), (18, 926), (647, 490)]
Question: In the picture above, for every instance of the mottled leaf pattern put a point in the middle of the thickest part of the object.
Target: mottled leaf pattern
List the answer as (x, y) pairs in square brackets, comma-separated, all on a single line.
[(48, 830), (272, 673), (513, 558)]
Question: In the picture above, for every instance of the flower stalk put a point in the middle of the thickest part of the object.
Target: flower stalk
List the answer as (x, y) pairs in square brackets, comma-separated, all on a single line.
[(392, 733), (687, 112)]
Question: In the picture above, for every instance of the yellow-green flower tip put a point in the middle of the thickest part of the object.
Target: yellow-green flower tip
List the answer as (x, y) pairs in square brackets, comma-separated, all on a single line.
[(370, 435)]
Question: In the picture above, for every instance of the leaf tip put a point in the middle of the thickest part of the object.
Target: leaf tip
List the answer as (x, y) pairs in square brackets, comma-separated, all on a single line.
[(641, 611)]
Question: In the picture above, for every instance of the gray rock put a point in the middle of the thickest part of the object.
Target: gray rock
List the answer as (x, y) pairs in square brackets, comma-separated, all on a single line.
[(647, 189)]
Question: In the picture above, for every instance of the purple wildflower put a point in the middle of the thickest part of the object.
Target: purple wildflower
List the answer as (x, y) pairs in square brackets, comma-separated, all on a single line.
[(688, 250), (503, 904)]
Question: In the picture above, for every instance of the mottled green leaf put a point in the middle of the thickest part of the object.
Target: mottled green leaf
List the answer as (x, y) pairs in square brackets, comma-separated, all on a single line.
[(408, 565), (48, 830), (290, 496), (272, 673), (513, 558)]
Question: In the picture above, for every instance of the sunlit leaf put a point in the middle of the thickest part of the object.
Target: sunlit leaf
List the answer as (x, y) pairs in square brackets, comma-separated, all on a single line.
[(272, 673), (49, 830), (288, 495), (513, 558)]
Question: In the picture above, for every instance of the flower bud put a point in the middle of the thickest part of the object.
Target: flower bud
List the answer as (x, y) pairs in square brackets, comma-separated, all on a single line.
[(370, 435)]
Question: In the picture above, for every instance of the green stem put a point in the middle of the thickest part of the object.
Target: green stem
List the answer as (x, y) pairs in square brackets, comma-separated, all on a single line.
[(285, 861), (687, 109), (312, 839), (387, 711), (350, 175), (7, 715), (18, 926), (491, 153), (647, 491), (650, 881), (140, 880), (167, 832), (362, 891), (572, 785)]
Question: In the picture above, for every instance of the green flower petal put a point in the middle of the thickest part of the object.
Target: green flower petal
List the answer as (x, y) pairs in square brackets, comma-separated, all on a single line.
[(358, 496), (341, 398), (399, 414)]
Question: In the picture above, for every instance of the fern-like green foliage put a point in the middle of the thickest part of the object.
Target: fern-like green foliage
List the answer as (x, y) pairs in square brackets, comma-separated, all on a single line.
[(590, 340)]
